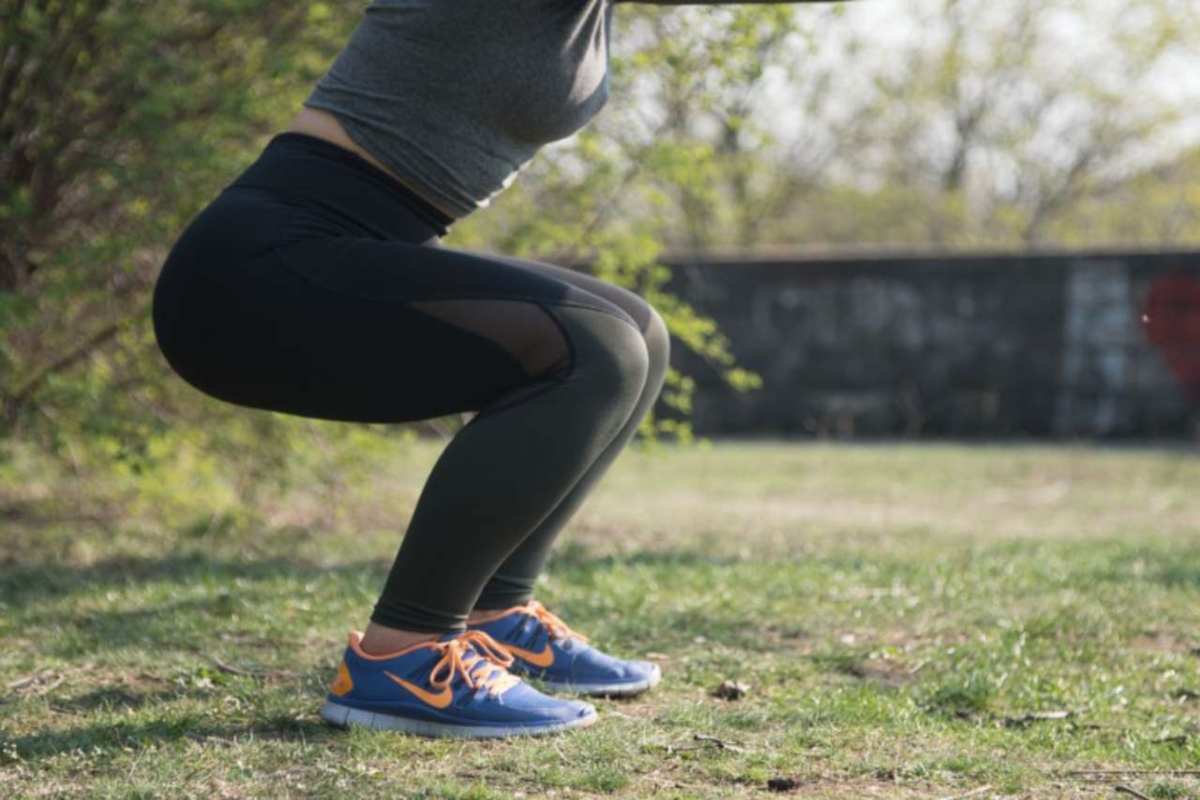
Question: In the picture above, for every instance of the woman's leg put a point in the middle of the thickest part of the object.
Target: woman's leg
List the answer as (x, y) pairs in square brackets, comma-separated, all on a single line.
[(331, 328), (512, 583)]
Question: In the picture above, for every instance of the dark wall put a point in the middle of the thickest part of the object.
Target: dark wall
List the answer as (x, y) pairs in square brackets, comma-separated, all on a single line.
[(1045, 345)]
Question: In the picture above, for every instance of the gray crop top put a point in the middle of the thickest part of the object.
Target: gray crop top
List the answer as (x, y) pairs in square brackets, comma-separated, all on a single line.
[(456, 96)]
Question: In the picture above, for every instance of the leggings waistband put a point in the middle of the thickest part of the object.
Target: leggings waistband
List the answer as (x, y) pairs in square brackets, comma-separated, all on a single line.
[(307, 167)]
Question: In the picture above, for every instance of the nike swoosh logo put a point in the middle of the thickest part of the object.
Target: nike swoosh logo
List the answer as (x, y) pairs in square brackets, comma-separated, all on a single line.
[(540, 660), (439, 700)]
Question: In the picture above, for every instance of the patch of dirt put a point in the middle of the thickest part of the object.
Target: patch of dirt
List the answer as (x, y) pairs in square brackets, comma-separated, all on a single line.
[(886, 671), (1163, 642), (789, 636), (127, 690)]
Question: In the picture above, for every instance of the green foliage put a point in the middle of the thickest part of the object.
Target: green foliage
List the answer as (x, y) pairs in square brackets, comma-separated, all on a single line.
[(944, 123), (970, 130), (169, 102)]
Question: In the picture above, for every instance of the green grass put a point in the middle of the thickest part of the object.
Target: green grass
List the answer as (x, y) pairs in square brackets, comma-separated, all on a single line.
[(902, 615)]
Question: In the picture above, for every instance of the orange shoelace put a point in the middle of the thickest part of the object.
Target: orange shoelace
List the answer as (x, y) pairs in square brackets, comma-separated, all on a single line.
[(478, 658), (558, 629)]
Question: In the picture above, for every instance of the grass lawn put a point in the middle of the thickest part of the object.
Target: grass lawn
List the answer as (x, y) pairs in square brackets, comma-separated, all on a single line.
[(912, 621)]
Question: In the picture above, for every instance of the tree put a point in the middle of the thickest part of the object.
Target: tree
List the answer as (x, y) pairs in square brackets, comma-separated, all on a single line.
[(1000, 119), (948, 123), (121, 119), (118, 118)]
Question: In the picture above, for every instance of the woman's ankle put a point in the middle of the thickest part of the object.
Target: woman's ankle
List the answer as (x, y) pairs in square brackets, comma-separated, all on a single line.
[(478, 615), (379, 640)]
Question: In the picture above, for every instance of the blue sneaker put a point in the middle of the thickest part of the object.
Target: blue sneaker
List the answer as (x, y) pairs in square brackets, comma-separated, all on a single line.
[(544, 647), (457, 686)]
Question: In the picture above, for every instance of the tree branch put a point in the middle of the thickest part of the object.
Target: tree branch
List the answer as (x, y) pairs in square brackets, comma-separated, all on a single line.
[(17, 400)]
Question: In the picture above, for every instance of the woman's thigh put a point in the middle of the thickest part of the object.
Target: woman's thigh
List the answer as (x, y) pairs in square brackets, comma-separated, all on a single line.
[(368, 330)]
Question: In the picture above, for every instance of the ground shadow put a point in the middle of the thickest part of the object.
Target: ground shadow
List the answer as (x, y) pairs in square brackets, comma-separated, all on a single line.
[(242, 587), (1128, 563), (137, 736), (122, 697), (29, 584)]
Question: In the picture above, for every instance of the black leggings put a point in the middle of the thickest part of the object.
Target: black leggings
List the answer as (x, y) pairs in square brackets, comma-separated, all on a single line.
[(315, 285)]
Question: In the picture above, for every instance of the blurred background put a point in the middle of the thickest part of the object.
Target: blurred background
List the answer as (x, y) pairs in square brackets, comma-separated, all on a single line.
[(923, 475), (902, 218)]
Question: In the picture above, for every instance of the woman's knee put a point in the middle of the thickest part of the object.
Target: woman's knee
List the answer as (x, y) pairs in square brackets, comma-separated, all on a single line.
[(658, 342), (609, 354), (649, 322)]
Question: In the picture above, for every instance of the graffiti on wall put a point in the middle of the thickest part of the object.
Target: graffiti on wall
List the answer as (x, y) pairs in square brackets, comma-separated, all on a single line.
[(1171, 319), (1063, 344), (1098, 327)]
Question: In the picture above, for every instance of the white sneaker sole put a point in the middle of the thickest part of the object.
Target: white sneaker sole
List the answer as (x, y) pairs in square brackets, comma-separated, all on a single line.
[(606, 689), (345, 717)]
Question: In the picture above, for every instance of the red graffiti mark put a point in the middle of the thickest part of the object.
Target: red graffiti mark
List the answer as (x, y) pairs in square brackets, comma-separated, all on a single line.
[(1172, 322)]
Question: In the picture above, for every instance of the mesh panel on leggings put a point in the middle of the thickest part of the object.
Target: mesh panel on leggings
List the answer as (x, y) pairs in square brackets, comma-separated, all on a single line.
[(526, 330)]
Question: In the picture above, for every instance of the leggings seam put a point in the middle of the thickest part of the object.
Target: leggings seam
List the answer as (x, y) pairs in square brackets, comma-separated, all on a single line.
[(571, 355), (520, 298), (548, 381), (455, 296), (326, 149), (543, 385), (362, 227)]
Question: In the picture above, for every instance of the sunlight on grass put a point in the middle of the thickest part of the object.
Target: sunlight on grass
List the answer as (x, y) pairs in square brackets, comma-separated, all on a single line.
[(912, 621)]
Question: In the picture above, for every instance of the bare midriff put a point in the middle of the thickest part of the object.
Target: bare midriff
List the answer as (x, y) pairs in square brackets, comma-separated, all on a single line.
[(324, 125)]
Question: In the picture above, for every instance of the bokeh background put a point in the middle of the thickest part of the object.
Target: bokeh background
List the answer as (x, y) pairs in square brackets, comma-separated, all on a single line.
[(923, 475), (864, 131)]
